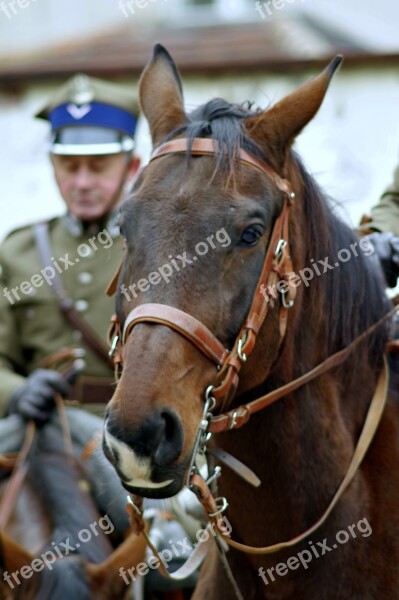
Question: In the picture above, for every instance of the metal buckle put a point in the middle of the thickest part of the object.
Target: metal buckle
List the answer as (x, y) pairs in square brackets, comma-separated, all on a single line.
[(242, 356), (233, 420), (135, 507), (113, 345), (286, 304), (216, 473), (278, 254), (223, 505)]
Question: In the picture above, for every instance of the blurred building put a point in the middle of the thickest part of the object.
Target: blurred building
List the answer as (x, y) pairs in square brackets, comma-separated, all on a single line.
[(240, 49)]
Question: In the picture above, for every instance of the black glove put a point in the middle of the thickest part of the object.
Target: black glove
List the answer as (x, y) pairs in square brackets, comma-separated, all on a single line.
[(386, 247), (35, 398)]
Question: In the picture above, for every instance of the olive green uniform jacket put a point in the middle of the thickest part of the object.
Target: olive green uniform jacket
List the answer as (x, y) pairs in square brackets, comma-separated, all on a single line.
[(31, 324), (385, 215)]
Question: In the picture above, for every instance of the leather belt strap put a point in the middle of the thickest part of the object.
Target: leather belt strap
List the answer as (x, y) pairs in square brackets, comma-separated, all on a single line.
[(181, 322), (236, 418), (18, 475), (65, 304), (93, 390)]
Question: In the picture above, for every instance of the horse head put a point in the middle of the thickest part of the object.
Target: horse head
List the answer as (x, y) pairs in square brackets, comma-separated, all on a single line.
[(197, 227)]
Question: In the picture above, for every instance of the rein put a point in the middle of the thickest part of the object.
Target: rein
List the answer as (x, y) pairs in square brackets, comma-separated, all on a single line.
[(277, 268), (19, 464)]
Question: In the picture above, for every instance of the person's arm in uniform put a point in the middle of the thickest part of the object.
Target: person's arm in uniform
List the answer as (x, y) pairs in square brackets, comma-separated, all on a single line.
[(382, 228), (11, 359), (385, 215), (27, 392)]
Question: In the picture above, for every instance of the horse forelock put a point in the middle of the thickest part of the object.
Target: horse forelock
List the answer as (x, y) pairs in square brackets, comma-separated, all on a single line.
[(223, 122)]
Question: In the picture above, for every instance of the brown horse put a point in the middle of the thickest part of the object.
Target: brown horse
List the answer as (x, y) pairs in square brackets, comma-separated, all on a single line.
[(197, 227)]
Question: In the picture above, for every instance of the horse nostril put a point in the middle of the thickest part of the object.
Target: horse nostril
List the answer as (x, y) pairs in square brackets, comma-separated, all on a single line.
[(171, 444)]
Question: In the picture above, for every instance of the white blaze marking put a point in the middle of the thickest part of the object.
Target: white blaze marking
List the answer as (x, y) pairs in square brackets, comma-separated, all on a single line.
[(136, 471)]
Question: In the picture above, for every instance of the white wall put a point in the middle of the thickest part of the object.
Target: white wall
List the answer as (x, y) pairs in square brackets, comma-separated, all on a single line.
[(351, 146)]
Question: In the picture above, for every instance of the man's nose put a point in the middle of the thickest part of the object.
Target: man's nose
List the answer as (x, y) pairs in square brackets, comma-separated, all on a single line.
[(84, 178)]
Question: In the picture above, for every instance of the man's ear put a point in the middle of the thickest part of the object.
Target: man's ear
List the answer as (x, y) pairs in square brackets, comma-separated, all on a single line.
[(133, 169)]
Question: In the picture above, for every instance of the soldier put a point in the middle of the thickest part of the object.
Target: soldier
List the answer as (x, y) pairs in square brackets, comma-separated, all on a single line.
[(54, 275), (382, 228)]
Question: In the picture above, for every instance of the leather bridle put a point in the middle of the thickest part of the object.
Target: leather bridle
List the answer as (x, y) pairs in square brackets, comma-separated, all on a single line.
[(276, 271)]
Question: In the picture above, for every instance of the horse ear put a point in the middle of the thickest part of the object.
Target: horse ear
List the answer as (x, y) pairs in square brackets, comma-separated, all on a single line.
[(276, 128), (161, 94)]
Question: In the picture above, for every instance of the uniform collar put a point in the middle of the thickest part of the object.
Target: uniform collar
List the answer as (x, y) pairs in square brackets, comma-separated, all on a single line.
[(77, 228)]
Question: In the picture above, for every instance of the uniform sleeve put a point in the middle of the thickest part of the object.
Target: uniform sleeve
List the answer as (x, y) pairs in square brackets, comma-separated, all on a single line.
[(385, 215), (11, 359)]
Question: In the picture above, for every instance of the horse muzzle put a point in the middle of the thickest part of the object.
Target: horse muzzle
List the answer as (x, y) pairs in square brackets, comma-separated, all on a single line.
[(147, 458)]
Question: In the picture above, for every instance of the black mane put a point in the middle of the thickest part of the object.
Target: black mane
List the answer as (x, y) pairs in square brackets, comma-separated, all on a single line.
[(352, 295)]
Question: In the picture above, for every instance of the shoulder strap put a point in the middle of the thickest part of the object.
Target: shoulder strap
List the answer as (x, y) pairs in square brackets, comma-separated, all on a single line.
[(65, 304)]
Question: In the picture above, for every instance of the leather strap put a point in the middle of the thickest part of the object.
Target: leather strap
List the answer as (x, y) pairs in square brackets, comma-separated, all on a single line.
[(64, 302), (208, 146), (370, 427), (113, 284), (236, 418), (182, 322), (18, 475), (235, 465), (276, 265), (93, 390)]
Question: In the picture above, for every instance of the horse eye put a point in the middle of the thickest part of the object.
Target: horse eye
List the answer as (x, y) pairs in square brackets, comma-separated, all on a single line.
[(250, 236)]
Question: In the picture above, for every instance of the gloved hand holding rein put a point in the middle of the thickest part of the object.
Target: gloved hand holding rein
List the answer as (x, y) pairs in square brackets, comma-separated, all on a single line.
[(35, 399), (386, 248)]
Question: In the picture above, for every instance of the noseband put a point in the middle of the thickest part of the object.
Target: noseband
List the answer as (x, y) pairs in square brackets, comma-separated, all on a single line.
[(276, 271)]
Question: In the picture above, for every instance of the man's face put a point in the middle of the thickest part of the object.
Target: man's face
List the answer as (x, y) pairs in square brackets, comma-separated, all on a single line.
[(92, 185)]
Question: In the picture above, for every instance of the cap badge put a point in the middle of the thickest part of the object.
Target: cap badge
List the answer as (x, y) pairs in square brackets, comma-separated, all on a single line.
[(82, 92), (78, 112)]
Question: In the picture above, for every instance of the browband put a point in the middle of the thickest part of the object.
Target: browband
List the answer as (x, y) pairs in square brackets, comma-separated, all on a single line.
[(208, 146)]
